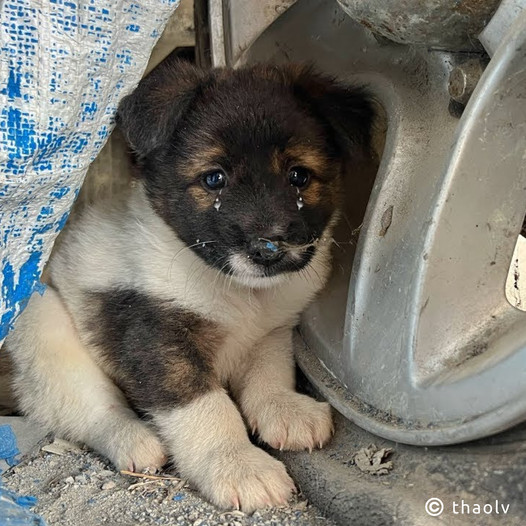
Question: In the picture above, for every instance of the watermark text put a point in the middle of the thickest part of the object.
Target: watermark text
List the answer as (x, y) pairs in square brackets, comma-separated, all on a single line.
[(435, 507)]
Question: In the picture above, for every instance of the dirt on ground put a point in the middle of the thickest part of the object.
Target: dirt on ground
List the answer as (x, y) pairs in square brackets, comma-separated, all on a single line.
[(78, 488)]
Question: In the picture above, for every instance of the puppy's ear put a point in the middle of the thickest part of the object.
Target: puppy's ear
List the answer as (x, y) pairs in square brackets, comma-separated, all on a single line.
[(349, 110), (150, 114)]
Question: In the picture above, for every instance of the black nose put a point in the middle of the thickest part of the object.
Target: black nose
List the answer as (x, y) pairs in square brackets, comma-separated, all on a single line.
[(264, 251)]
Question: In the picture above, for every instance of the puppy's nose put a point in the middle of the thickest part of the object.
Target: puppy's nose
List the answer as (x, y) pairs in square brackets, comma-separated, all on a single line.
[(264, 251)]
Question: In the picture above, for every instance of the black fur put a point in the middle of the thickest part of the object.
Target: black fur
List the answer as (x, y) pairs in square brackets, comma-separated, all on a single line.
[(182, 121), (160, 355)]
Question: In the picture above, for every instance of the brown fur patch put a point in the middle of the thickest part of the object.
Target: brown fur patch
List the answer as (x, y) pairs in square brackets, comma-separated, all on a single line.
[(313, 194), (324, 186), (277, 161), (159, 355), (202, 198), (307, 156), (204, 159)]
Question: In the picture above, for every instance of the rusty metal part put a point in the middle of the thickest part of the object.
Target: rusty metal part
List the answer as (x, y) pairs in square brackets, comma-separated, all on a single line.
[(464, 78), (433, 23)]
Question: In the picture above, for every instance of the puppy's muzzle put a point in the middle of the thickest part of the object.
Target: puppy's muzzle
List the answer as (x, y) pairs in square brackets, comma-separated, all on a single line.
[(264, 251)]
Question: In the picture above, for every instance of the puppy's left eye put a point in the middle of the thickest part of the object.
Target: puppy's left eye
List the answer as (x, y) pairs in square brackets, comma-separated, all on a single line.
[(215, 180), (298, 176)]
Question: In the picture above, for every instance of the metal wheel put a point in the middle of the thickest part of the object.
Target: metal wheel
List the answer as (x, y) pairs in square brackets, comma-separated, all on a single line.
[(414, 338)]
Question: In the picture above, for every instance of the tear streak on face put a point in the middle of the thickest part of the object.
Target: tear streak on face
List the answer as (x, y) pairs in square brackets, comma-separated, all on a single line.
[(247, 160)]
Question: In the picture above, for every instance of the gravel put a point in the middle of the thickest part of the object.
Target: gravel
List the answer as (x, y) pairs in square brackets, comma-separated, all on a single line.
[(79, 488)]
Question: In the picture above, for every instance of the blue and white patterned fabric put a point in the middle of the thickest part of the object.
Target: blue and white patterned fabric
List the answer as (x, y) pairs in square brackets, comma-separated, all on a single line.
[(64, 66)]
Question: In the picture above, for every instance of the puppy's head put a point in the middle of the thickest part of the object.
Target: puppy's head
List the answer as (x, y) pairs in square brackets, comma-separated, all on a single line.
[(245, 165)]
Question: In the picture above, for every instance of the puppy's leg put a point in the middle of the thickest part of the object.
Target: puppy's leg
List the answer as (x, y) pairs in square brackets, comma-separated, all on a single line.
[(209, 443), (59, 385), (166, 357), (283, 418)]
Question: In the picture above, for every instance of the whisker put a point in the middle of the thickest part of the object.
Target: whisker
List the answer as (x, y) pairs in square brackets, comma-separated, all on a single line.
[(204, 267), (184, 249), (338, 244), (220, 273), (188, 247), (347, 222)]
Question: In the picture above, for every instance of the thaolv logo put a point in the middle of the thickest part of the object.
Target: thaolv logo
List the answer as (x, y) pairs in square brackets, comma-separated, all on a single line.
[(463, 508), (435, 507)]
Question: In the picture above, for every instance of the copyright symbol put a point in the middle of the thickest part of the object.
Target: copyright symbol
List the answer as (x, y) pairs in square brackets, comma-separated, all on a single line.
[(434, 507)]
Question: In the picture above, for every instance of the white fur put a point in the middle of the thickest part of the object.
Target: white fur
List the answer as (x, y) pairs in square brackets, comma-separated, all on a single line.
[(58, 383), (63, 383), (210, 446)]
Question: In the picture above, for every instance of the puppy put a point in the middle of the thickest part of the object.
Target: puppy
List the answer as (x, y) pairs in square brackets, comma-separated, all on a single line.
[(178, 301)]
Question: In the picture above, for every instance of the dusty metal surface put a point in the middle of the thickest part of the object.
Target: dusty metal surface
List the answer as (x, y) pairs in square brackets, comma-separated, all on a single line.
[(432, 23), (217, 34), (425, 343), (236, 24), (499, 25)]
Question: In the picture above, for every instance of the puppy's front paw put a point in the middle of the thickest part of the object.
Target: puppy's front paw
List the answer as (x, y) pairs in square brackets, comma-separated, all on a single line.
[(136, 448), (246, 479), (293, 421)]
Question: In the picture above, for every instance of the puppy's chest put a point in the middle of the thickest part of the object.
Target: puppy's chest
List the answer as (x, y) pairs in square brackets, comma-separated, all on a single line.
[(244, 325)]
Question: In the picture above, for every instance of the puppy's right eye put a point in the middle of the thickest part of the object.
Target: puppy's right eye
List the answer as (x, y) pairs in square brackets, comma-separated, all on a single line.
[(215, 180), (298, 177)]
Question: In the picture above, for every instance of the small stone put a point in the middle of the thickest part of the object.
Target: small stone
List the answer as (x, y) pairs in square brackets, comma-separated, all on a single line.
[(69, 480), (301, 506), (109, 485), (81, 479), (105, 473), (60, 447)]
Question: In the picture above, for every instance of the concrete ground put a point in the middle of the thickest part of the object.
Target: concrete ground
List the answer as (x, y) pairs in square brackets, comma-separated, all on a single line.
[(358, 479), (479, 483), (76, 487)]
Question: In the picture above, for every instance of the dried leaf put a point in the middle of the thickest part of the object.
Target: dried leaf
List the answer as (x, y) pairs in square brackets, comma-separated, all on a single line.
[(60, 447), (373, 460)]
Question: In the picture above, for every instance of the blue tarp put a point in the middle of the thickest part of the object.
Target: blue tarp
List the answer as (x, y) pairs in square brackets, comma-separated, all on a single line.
[(14, 509), (64, 66)]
